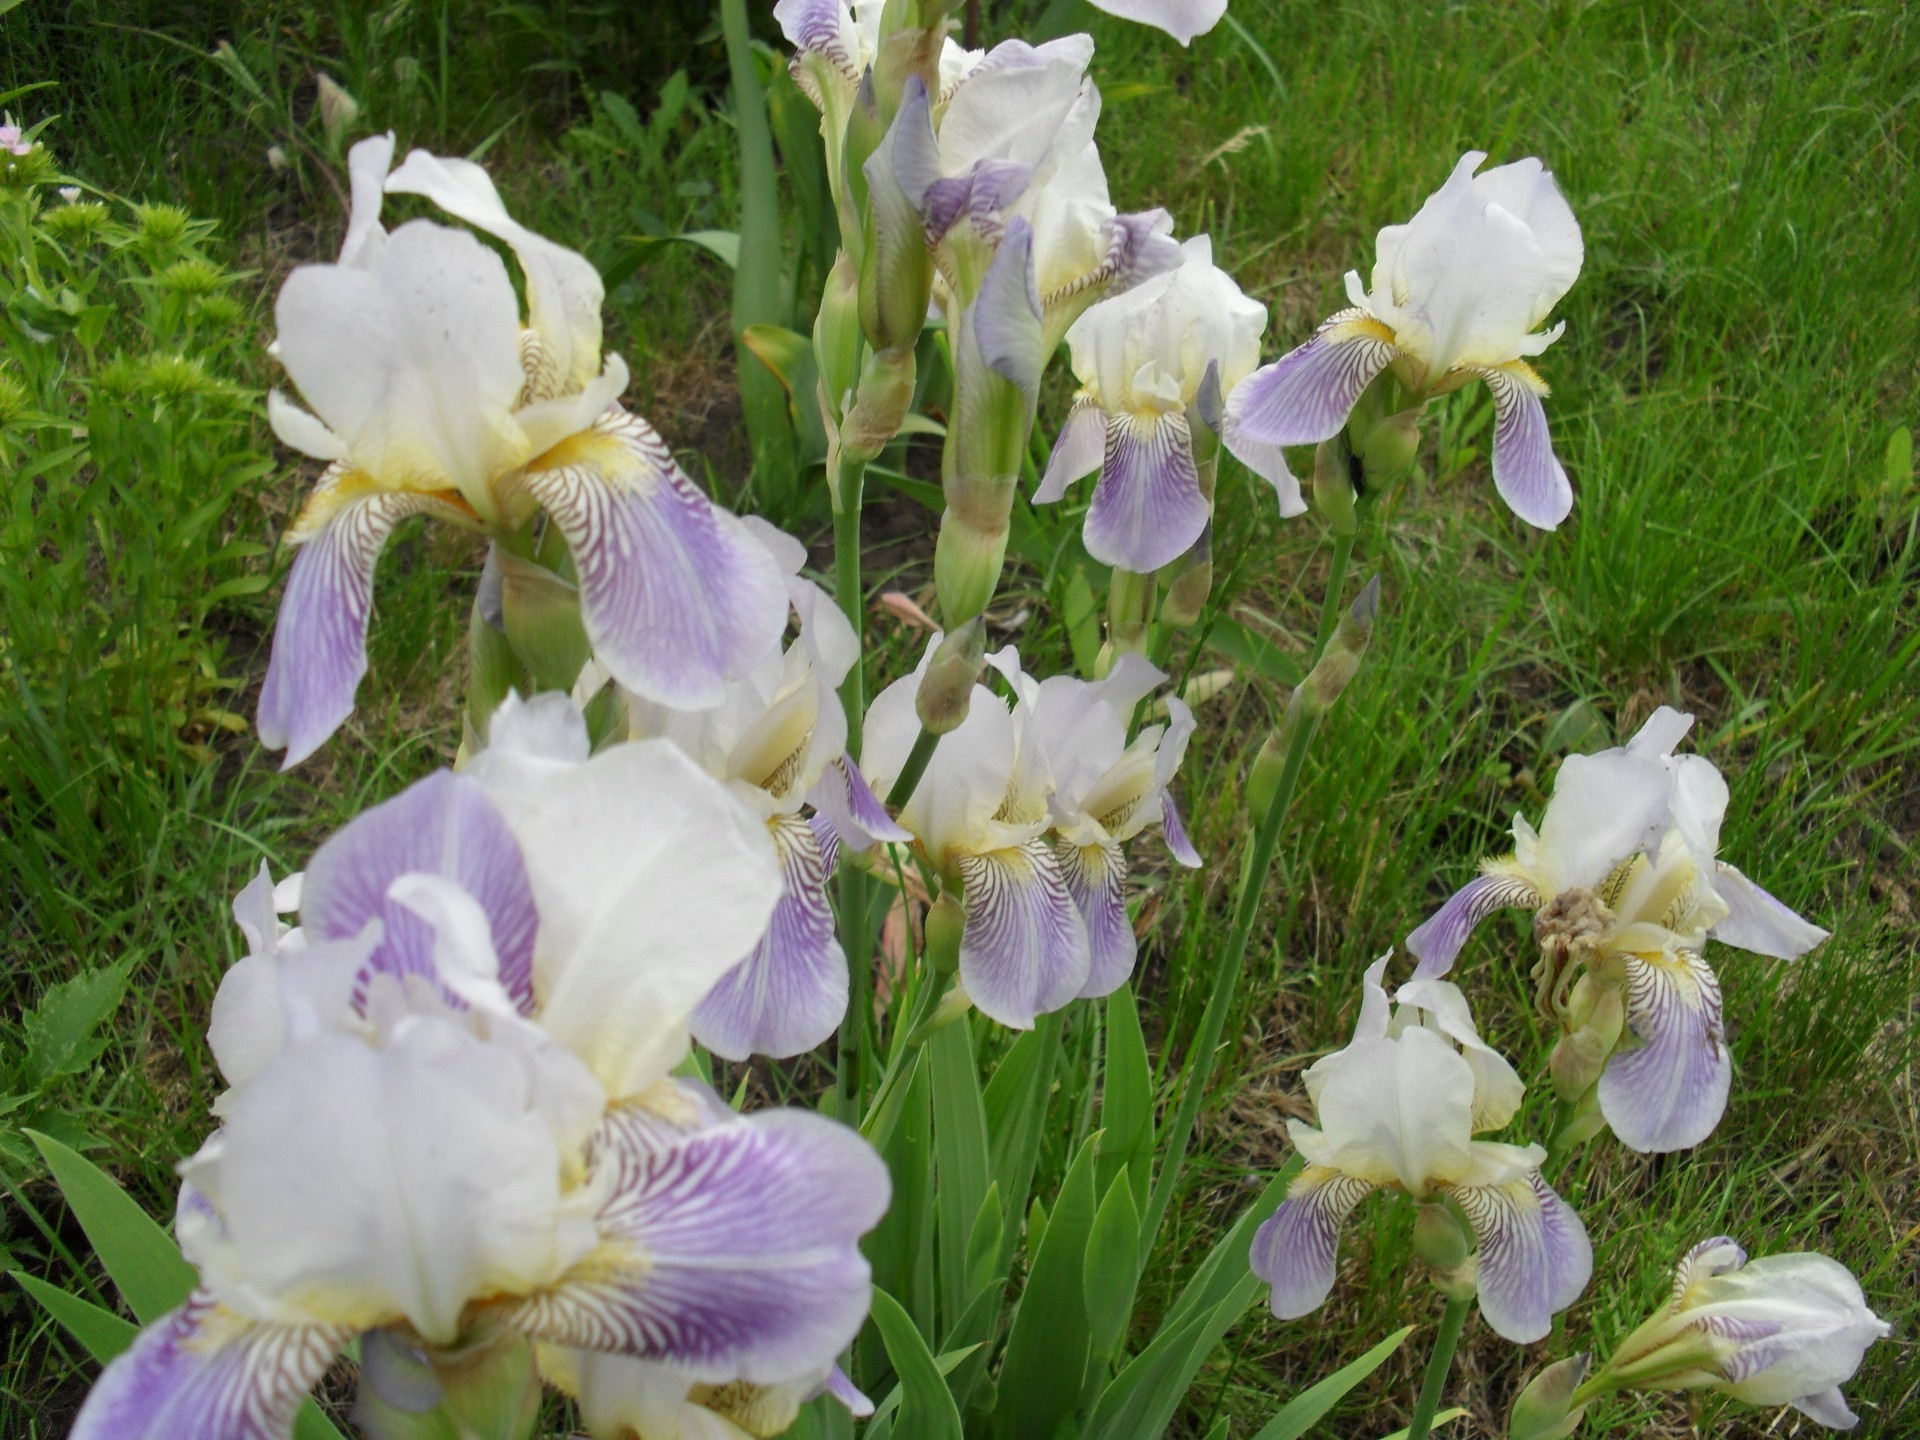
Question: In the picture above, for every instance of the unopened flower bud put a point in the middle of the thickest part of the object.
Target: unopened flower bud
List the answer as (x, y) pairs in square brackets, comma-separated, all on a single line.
[(541, 615), (1584, 1049), (880, 403), (1545, 1409), (837, 336), (338, 110), (1187, 595), (896, 268), (1439, 1238), (1327, 679), (1387, 453), (487, 1390), (1129, 610), (1333, 485), (945, 921), (946, 690), (1263, 777)]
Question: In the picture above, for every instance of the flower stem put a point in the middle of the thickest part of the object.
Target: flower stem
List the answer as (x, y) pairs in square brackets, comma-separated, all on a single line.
[(1336, 582), (916, 766), (1438, 1366), (852, 882)]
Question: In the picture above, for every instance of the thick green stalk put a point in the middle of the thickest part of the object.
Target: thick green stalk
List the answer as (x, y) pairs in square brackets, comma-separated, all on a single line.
[(916, 766), (854, 936), (1336, 582), (1439, 1364)]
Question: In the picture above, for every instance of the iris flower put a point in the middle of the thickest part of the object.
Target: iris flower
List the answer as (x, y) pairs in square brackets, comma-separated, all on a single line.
[(1623, 875), (779, 739), (449, 1116), (429, 395), (1458, 295), (1397, 1109)]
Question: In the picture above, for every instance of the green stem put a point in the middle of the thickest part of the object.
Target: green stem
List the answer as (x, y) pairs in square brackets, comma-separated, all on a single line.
[(1266, 837), (847, 589), (1438, 1366), (916, 766), (852, 882)]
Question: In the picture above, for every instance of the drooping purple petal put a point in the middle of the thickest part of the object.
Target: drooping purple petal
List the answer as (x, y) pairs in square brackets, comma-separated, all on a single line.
[(1294, 1251), (677, 597), (1174, 831), (1304, 397), (320, 637), (1023, 951), (205, 1372), (1756, 921), (730, 1251), (1140, 245), (1096, 878), (1147, 506), (1006, 312), (1534, 1256), (1668, 1092), (1437, 943), (855, 812), (1827, 1407), (1076, 454), (445, 825), (1525, 471), (791, 992)]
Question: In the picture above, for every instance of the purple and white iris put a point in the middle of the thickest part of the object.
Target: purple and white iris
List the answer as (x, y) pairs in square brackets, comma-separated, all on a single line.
[(1397, 1109), (1780, 1330), (429, 395), (1458, 295), (449, 1112), (777, 739), (1625, 878), (1151, 362), (1046, 922)]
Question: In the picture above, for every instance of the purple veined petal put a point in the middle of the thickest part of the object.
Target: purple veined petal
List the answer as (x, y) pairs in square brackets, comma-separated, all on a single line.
[(855, 812), (1294, 1251), (731, 1251), (205, 1372), (1140, 245), (1174, 830), (1304, 397), (1076, 454), (676, 596), (1147, 507), (789, 995), (1668, 1092), (1534, 1255), (1096, 878), (1023, 950), (320, 637), (1437, 943), (444, 825), (978, 197), (1757, 922), (1525, 471)]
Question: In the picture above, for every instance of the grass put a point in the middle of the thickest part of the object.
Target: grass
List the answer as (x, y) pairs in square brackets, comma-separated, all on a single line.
[(1739, 358)]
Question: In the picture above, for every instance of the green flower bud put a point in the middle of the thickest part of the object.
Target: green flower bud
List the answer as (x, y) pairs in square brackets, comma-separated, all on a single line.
[(946, 690), (1545, 1409), (1327, 679), (1333, 485), (837, 336), (1187, 595), (945, 921), (1388, 452), (880, 404), (1583, 1050), (541, 615), (487, 1389), (1263, 778), (1439, 1238)]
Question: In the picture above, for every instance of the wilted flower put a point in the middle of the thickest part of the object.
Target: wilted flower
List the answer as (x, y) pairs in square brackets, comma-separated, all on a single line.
[(779, 738), (1624, 880), (450, 1119), (1152, 362), (1398, 1109), (1457, 295), (433, 398), (1037, 914), (1782, 1330)]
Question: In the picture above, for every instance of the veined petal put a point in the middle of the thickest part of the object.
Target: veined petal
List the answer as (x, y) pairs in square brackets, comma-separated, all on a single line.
[(1096, 878), (205, 1372), (1436, 943), (676, 596), (1294, 1251), (1006, 312), (1758, 922), (1525, 470), (791, 992), (1076, 454), (1534, 1256), (1024, 949), (1304, 396), (850, 806), (320, 637), (1174, 830), (1147, 507), (730, 1251), (1670, 1091), (442, 826)]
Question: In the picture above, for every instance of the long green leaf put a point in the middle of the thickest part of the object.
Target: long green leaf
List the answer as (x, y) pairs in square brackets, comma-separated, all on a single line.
[(901, 1246), (103, 1333), (1299, 1414), (927, 1411), (1112, 1268), (1046, 1358), (960, 1163), (1126, 1099), (140, 1257), (1016, 1102)]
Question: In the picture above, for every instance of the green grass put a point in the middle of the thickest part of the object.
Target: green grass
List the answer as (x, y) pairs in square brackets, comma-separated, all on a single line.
[(1739, 353)]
